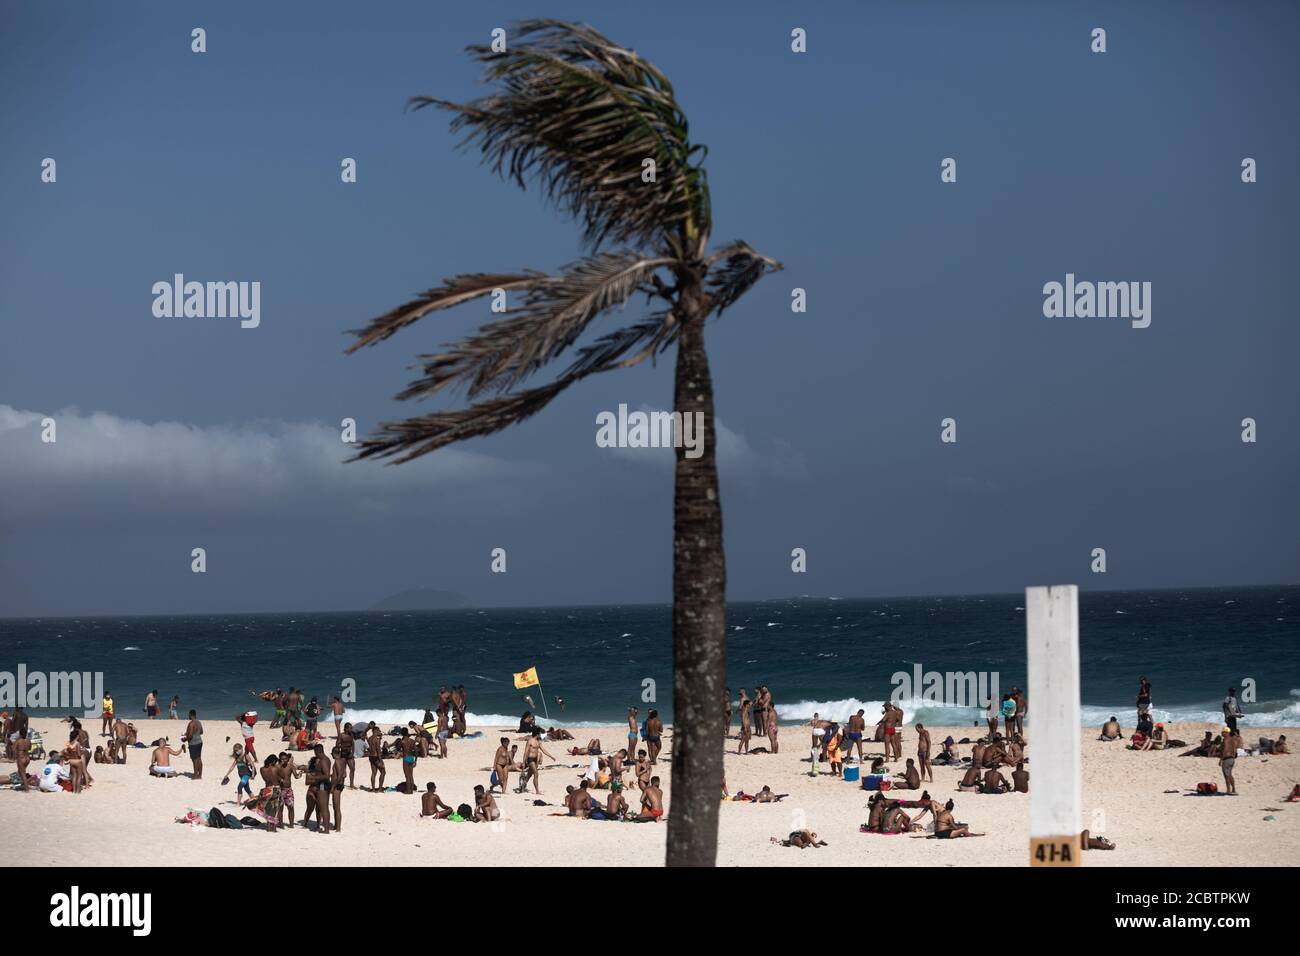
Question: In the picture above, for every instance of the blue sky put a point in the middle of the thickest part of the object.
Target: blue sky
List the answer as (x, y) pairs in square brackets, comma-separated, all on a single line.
[(925, 301)]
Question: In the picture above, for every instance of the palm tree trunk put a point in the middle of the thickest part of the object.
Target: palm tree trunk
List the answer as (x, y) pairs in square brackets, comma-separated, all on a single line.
[(699, 608)]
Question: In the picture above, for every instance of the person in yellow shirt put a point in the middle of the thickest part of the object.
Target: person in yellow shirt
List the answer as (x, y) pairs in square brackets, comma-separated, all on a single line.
[(106, 718)]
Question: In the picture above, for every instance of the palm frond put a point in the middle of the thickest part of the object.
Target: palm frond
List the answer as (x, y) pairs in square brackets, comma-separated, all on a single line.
[(554, 314), (454, 291), (740, 268), (579, 113)]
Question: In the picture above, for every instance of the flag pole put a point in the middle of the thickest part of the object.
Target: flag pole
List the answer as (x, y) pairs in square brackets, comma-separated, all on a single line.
[(544, 708)]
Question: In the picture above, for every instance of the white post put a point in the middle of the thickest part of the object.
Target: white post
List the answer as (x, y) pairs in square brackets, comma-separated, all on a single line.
[(1055, 799)]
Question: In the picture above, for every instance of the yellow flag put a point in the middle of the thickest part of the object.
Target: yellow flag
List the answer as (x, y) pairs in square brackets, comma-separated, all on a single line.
[(527, 678)]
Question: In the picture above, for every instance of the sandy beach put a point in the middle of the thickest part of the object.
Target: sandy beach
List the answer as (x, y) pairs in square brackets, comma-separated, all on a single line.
[(128, 817)]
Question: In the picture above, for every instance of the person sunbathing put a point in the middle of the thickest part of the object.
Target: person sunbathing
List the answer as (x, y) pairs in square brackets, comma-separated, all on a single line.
[(592, 748), (801, 839), (431, 804), (558, 733), (971, 782), (1279, 745), (1020, 778), (945, 827), (1157, 740), (767, 796), (1110, 730)]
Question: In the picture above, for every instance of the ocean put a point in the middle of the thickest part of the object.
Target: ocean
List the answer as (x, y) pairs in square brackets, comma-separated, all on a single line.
[(823, 655)]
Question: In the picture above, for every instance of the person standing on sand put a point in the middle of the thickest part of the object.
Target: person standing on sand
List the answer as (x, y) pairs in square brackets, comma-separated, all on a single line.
[(23, 756), (106, 717), (1231, 709), (771, 726), (1022, 708), (444, 732), (533, 751), (857, 727), (746, 709), (347, 754), (631, 730), (654, 735), (375, 751), (892, 749), (726, 712), (923, 752), (318, 789), (193, 737), (338, 780), (1228, 758), (407, 746), (336, 706), (501, 764), (287, 770)]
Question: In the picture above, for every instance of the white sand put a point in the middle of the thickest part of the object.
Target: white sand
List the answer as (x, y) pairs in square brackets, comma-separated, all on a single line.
[(127, 817)]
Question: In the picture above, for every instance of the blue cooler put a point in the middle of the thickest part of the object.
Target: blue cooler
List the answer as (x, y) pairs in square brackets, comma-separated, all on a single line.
[(851, 774)]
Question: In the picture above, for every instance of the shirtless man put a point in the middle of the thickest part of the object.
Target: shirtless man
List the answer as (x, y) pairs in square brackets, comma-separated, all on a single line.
[(772, 727), (319, 773), (193, 737), (578, 800), (746, 722), (431, 804), (893, 751), (616, 768), (726, 711), (1228, 759), (375, 751), (286, 771), (533, 752), (336, 706), (1020, 778), (407, 745), (857, 727), (923, 752), (654, 735), (994, 782), (971, 782), (1022, 708), (501, 764), (652, 801), (911, 777), (766, 796), (615, 804), (1110, 730), (485, 808), (631, 730), (162, 763)]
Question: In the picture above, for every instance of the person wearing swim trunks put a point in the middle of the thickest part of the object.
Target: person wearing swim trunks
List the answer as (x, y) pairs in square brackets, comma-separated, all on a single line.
[(533, 762), (652, 801), (654, 729), (193, 737), (923, 753), (856, 727), (631, 730), (151, 704), (501, 764), (287, 770), (161, 766), (1228, 759), (319, 772), (890, 719)]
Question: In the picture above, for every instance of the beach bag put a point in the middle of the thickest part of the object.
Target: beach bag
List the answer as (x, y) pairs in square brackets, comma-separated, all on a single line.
[(465, 810), (1207, 789), (216, 819), (493, 779)]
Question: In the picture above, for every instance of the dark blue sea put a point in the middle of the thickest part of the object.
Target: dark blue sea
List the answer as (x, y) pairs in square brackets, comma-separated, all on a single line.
[(824, 655)]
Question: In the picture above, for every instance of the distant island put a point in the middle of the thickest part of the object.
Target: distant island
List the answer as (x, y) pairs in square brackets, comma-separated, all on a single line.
[(421, 599)]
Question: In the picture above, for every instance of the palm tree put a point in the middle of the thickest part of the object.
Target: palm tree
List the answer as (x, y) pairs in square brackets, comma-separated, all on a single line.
[(579, 115)]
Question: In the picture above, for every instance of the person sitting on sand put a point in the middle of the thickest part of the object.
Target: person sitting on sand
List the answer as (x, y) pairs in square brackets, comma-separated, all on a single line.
[(527, 724), (945, 826), (431, 804), (971, 782), (910, 777), (1020, 778), (948, 755), (652, 801), (801, 839), (1110, 730), (578, 800), (1157, 740), (1206, 748), (895, 819), (1279, 745), (485, 808), (994, 782), (1015, 751), (616, 804), (161, 765)]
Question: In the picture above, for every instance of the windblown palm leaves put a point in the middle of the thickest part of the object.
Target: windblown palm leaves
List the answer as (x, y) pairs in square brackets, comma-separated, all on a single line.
[(579, 115)]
